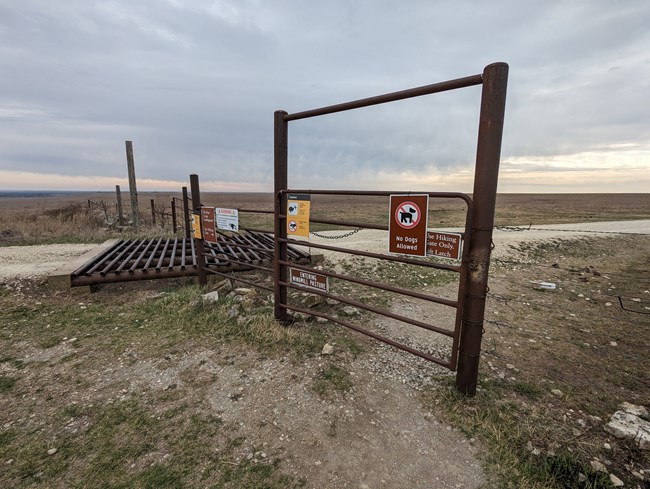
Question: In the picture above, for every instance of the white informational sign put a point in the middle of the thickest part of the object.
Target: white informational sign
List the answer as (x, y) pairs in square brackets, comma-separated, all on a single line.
[(227, 219)]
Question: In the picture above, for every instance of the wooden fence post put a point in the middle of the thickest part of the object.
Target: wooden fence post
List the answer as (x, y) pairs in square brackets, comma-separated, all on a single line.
[(120, 214), (132, 187)]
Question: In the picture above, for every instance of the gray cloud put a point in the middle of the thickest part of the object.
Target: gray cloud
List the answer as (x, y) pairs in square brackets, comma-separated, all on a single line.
[(194, 84)]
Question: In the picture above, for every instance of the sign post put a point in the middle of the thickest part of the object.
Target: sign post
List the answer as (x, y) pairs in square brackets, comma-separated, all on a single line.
[(407, 228), (196, 226)]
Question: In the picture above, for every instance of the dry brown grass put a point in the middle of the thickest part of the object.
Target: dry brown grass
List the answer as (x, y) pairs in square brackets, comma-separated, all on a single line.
[(31, 221), (67, 224), (66, 219)]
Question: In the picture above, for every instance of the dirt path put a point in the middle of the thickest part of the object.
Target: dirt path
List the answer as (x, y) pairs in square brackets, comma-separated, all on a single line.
[(378, 434)]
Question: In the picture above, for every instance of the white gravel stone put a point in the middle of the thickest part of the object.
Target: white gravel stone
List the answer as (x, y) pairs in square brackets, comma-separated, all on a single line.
[(628, 426), (616, 482)]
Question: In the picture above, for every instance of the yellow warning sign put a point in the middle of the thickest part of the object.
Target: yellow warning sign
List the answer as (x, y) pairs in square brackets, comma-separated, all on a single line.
[(298, 215), (196, 226)]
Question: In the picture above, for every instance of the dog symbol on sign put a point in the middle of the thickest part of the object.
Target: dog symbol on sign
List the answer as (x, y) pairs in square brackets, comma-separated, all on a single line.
[(293, 209), (408, 215)]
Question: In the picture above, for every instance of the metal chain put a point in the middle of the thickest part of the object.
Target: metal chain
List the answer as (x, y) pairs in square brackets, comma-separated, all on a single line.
[(354, 231)]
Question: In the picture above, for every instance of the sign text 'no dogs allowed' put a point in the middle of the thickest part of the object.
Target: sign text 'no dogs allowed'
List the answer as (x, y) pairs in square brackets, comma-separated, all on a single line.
[(407, 229)]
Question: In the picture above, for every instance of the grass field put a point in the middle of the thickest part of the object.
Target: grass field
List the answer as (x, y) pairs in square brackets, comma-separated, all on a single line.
[(67, 218), (126, 387)]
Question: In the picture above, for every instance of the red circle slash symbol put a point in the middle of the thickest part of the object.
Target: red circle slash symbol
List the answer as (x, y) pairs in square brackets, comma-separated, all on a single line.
[(293, 226), (408, 215)]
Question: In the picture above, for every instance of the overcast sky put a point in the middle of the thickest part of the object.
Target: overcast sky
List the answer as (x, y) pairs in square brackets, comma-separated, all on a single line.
[(194, 85)]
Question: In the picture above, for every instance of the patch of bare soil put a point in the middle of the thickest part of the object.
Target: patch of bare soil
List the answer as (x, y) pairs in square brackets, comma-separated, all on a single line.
[(375, 434)]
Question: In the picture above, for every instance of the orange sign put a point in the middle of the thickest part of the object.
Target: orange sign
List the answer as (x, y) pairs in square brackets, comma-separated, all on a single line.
[(444, 245), (298, 215), (407, 229), (196, 225)]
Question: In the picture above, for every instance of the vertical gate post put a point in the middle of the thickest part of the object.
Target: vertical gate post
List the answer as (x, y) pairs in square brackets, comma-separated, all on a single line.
[(488, 153), (186, 213), (120, 212), (174, 226), (198, 243), (280, 155)]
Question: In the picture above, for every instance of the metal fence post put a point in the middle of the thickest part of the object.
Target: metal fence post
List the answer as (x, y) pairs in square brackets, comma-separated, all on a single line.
[(186, 213), (488, 153), (280, 136), (198, 243)]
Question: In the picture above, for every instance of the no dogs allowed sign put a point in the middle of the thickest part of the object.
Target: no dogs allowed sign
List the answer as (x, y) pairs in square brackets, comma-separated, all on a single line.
[(407, 228)]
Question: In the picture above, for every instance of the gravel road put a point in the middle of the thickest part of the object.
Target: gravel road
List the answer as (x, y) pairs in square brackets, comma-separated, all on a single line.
[(377, 241), (39, 260)]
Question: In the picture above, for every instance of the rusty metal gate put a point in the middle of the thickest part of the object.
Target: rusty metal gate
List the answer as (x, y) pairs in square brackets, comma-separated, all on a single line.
[(457, 303), (470, 302)]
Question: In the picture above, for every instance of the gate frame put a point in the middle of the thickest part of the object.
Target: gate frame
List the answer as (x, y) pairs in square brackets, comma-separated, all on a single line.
[(486, 174)]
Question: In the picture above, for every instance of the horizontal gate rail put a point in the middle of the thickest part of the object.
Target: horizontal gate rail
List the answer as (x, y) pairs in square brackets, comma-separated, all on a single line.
[(464, 82), (369, 254), (372, 334), (256, 211), (374, 309), (377, 285), (454, 334)]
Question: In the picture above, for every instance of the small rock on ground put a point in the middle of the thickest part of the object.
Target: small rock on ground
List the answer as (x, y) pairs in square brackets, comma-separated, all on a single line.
[(616, 482)]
